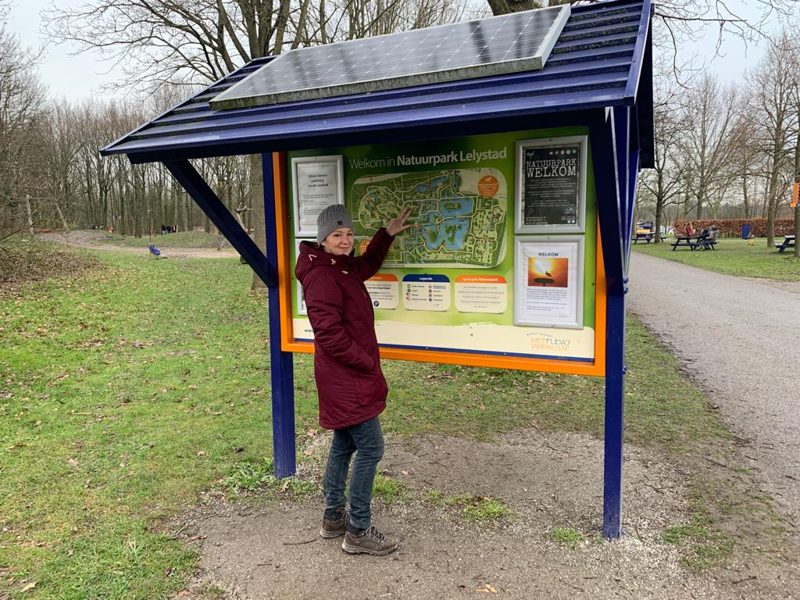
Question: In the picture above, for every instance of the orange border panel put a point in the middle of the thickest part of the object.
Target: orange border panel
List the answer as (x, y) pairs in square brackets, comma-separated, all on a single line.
[(289, 344)]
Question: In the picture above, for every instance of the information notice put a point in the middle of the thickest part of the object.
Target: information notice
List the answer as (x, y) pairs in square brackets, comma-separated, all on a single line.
[(548, 286), (481, 294), (316, 185), (384, 290), (551, 186)]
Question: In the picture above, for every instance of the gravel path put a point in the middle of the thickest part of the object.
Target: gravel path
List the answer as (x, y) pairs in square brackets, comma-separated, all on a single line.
[(738, 338), (93, 241)]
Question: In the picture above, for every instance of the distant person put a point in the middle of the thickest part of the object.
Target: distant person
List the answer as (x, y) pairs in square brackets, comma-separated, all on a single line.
[(689, 229), (351, 387)]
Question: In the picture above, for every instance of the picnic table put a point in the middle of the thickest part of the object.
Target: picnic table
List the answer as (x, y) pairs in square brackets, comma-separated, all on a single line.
[(643, 235), (788, 242), (689, 241), (693, 242)]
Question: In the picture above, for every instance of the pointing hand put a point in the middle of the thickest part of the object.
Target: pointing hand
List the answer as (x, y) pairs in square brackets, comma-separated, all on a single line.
[(398, 224)]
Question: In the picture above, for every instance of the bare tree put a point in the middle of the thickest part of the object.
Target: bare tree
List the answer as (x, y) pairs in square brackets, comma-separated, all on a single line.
[(661, 186), (21, 105), (176, 42), (679, 21), (793, 65), (747, 163), (708, 119), (63, 132), (189, 42), (771, 92), (682, 17)]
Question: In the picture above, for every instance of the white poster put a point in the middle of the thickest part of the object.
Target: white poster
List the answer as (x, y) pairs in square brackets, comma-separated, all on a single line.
[(549, 282), (317, 182)]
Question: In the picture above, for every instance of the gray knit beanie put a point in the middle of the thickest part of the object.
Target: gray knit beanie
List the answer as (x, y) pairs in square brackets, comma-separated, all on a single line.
[(330, 219)]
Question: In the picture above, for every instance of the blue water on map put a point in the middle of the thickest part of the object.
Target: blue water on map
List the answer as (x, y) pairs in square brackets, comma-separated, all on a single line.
[(424, 188), (448, 227)]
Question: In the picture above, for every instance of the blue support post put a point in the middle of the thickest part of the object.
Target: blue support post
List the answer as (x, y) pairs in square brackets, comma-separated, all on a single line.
[(615, 388), (612, 182), (281, 366), (615, 371)]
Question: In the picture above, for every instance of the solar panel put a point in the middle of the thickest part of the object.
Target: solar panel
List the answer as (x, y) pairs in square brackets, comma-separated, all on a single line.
[(510, 43)]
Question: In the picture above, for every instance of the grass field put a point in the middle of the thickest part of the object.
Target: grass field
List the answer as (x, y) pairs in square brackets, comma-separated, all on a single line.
[(733, 257), (127, 392)]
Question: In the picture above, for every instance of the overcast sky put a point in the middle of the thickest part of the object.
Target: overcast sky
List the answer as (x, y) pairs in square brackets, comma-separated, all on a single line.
[(79, 77)]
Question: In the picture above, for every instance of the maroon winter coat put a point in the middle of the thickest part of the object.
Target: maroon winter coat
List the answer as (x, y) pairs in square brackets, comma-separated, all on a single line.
[(347, 368)]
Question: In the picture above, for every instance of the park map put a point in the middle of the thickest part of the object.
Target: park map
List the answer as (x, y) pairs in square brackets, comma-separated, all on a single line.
[(460, 213)]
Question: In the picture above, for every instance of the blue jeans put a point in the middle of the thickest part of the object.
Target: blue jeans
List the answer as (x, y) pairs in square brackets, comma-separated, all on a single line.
[(366, 441)]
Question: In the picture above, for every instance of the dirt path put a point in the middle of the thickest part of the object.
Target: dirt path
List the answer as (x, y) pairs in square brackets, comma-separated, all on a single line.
[(256, 548), (93, 240)]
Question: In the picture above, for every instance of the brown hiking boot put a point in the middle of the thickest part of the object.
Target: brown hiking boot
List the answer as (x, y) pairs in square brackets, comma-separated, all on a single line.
[(333, 528), (370, 541)]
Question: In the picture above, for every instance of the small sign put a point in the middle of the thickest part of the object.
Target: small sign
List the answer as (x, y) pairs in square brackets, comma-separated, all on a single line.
[(384, 290), (795, 194), (551, 185), (317, 182), (549, 282)]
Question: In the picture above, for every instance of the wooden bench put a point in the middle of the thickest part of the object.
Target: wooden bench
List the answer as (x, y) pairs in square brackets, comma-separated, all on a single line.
[(788, 242)]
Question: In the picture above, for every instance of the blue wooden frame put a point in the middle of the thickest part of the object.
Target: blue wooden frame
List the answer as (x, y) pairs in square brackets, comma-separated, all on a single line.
[(281, 363), (603, 82)]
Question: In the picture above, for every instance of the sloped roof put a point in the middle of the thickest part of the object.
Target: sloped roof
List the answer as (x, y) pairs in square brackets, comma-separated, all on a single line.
[(601, 59)]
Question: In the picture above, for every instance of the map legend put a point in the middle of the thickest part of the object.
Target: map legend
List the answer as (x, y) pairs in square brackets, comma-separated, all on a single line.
[(426, 292)]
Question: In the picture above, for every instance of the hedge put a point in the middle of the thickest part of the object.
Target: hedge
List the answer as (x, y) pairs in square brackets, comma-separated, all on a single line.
[(733, 227)]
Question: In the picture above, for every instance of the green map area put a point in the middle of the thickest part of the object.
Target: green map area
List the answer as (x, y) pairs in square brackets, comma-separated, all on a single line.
[(456, 224)]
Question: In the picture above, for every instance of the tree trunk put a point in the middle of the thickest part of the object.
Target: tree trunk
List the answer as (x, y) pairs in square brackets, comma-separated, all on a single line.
[(30, 213), (503, 7), (745, 197), (773, 195), (61, 216), (797, 179)]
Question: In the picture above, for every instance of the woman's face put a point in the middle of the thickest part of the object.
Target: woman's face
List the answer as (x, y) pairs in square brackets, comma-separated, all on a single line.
[(340, 241)]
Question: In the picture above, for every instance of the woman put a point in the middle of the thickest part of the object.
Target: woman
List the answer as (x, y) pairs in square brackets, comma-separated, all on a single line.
[(351, 386)]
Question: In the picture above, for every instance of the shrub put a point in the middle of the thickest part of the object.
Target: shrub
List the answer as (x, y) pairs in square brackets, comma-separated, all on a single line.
[(733, 227)]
